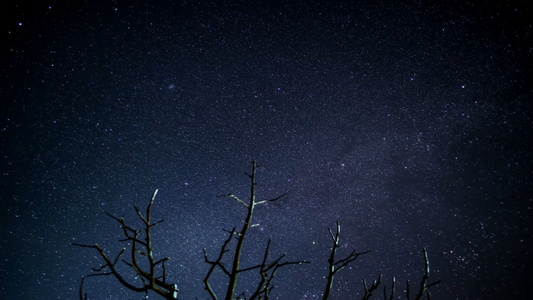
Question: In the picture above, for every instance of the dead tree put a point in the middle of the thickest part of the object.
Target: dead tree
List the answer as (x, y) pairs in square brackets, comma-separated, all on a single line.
[(424, 286), (336, 266), (422, 292), (370, 290), (266, 270), (150, 280), (154, 278)]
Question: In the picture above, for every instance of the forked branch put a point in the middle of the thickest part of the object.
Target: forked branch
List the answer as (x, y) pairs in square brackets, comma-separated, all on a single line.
[(336, 266), (267, 270), (370, 290), (424, 286), (217, 263), (150, 278)]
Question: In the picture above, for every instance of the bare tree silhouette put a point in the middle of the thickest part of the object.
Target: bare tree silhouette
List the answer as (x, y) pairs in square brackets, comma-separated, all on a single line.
[(153, 276)]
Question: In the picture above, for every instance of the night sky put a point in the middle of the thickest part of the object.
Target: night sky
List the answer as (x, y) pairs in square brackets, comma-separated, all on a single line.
[(410, 122)]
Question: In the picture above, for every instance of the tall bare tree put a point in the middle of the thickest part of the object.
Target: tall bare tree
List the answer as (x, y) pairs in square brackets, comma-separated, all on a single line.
[(266, 270)]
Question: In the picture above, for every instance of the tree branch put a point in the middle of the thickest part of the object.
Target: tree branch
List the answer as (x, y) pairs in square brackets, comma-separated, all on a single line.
[(216, 263), (234, 273), (265, 285), (151, 280), (424, 283), (82, 296), (266, 270), (393, 289), (333, 269), (369, 291), (271, 200), (234, 197)]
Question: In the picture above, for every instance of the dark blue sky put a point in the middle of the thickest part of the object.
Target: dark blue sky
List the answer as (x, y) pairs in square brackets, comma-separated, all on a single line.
[(407, 121)]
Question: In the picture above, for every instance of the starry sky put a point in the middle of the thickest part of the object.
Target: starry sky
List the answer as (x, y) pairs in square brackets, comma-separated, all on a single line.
[(407, 121)]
